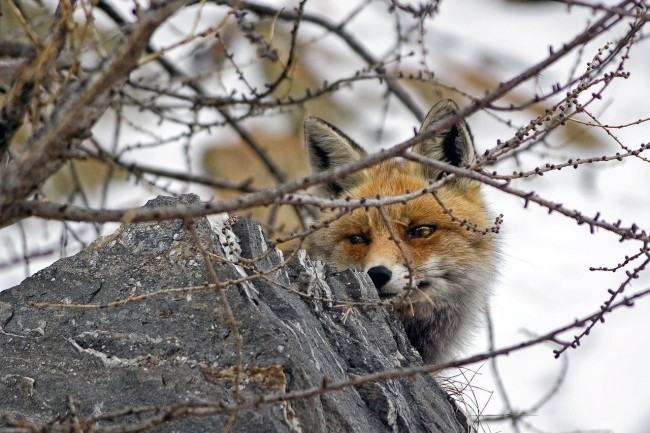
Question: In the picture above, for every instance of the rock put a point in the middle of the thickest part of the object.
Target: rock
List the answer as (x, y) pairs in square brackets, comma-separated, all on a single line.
[(167, 360)]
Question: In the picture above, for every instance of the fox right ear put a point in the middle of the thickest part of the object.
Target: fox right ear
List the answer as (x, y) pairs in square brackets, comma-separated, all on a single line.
[(327, 147), (454, 145)]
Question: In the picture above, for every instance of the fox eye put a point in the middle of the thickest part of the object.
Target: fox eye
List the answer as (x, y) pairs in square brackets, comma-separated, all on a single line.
[(421, 232), (357, 239)]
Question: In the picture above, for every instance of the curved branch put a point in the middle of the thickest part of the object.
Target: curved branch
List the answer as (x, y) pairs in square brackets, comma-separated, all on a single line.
[(355, 45), (30, 75), (77, 111)]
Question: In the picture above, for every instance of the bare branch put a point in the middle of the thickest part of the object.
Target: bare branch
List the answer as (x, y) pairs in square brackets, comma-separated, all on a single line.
[(77, 111)]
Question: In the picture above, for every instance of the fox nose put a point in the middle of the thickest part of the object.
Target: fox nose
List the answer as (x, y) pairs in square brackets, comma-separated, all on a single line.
[(379, 275)]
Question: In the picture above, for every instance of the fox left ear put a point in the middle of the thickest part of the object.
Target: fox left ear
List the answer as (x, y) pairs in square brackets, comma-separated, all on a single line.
[(454, 145), (327, 148)]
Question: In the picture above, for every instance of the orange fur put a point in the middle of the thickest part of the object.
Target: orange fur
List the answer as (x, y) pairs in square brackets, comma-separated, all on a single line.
[(420, 249), (391, 179)]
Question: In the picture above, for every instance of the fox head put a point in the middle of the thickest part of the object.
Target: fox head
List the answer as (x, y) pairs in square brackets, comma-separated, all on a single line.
[(420, 248)]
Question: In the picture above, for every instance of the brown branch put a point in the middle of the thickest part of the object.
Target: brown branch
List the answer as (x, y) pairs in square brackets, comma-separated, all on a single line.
[(603, 7), (282, 194), (77, 111), (292, 53), (175, 72), (275, 171), (139, 170), (269, 196), (29, 78), (607, 307), (392, 84), (575, 163)]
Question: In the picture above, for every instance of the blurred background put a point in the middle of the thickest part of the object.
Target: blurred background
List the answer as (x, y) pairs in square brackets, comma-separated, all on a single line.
[(219, 111)]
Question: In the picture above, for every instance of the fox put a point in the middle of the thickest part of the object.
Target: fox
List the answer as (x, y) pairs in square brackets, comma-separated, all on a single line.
[(421, 252)]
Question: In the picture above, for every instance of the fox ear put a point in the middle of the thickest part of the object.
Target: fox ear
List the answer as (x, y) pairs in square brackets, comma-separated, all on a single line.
[(453, 145), (327, 147)]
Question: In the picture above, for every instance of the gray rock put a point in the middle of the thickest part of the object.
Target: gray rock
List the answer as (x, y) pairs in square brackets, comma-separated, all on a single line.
[(166, 363)]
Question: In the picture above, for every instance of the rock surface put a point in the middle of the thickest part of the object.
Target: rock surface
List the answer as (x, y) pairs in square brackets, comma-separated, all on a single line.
[(166, 362)]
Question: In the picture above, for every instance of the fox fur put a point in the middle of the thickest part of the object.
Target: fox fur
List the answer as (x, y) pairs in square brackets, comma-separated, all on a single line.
[(452, 267)]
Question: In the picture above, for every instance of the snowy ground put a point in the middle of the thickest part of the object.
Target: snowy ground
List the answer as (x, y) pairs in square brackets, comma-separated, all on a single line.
[(546, 280)]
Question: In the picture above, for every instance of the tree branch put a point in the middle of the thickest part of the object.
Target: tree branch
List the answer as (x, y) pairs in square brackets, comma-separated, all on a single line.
[(77, 110)]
